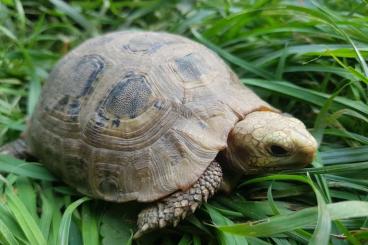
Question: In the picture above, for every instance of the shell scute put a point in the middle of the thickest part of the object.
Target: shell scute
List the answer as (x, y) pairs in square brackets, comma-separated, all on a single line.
[(129, 98)]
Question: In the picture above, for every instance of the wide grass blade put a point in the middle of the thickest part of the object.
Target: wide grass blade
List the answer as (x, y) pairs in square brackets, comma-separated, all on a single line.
[(24, 218), (12, 165), (233, 59), (90, 232), (63, 237), (6, 236), (219, 219), (307, 95), (298, 219)]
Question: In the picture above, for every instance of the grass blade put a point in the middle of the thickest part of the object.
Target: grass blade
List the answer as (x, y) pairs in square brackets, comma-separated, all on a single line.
[(63, 237), (6, 236), (89, 226), (299, 219), (308, 95), (12, 165), (25, 219)]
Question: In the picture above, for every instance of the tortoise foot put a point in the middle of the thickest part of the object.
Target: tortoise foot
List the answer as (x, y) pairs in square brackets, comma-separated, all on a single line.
[(176, 207), (17, 148)]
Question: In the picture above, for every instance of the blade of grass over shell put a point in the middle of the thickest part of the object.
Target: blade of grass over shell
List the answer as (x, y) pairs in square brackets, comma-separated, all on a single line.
[(63, 237), (12, 165)]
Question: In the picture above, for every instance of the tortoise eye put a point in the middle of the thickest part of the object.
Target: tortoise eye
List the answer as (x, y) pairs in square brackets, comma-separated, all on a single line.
[(278, 151)]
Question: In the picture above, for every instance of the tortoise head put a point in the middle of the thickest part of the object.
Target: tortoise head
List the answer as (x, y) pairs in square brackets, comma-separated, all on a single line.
[(266, 140)]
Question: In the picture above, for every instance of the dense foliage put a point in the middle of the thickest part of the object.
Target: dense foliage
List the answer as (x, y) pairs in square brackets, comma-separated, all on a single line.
[(307, 58)]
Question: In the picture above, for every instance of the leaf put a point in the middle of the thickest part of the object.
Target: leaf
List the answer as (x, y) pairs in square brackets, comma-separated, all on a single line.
[(117, 226)]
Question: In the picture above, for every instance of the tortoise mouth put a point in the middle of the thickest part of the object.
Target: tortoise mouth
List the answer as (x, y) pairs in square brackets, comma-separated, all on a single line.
[(288, 165)]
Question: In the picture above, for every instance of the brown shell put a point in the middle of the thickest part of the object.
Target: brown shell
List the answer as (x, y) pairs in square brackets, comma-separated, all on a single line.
[(136, 115)]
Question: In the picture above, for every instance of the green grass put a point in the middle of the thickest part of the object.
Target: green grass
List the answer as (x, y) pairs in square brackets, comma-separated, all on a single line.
[(308, 58)]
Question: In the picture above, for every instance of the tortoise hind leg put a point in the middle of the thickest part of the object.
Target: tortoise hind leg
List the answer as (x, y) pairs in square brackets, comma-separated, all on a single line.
[(170, 210), (17, 148)]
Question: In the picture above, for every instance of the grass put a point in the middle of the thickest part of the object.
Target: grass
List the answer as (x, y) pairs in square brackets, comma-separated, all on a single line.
[(308, 58)]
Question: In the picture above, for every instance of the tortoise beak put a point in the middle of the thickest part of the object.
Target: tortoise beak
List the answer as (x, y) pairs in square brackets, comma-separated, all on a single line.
[(305, 156), (305, 153)]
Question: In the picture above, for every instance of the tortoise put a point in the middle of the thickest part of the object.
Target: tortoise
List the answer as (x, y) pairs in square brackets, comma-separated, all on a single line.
[(156, 118)]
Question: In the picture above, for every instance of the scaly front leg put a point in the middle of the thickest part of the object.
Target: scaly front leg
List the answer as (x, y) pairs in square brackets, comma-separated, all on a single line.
[(176, 207)]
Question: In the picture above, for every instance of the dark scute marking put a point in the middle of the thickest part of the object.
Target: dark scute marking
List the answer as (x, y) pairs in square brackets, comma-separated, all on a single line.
[(100, 124), (63, 102), (101, 119), (108, 178), (87, 71), (102, 115), (188, 67), (130, 96), (74, 107), (116, 122), (68, 105), (142, 45), (158, 104)]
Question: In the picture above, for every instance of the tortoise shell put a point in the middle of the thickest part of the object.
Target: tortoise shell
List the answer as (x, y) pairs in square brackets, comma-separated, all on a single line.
[(137, 115)]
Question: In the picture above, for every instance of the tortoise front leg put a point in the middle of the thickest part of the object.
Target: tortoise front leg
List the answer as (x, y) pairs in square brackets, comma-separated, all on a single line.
[(17, 148), (176, 207)]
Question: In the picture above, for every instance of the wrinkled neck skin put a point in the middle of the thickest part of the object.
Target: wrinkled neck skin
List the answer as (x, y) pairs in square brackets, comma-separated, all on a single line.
[(241, 163), (265, 141)]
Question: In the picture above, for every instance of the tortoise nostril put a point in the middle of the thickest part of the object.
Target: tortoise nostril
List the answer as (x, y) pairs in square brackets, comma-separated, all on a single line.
[(278, 151)]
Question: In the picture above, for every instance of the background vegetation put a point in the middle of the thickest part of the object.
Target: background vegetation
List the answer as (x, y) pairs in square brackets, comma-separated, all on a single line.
[(307, 58)]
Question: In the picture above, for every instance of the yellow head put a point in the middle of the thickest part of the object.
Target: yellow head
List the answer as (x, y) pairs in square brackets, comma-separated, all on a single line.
[(266, 140)]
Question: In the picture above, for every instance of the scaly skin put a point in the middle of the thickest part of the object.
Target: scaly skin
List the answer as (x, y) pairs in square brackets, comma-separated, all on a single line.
[(176, 207)]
